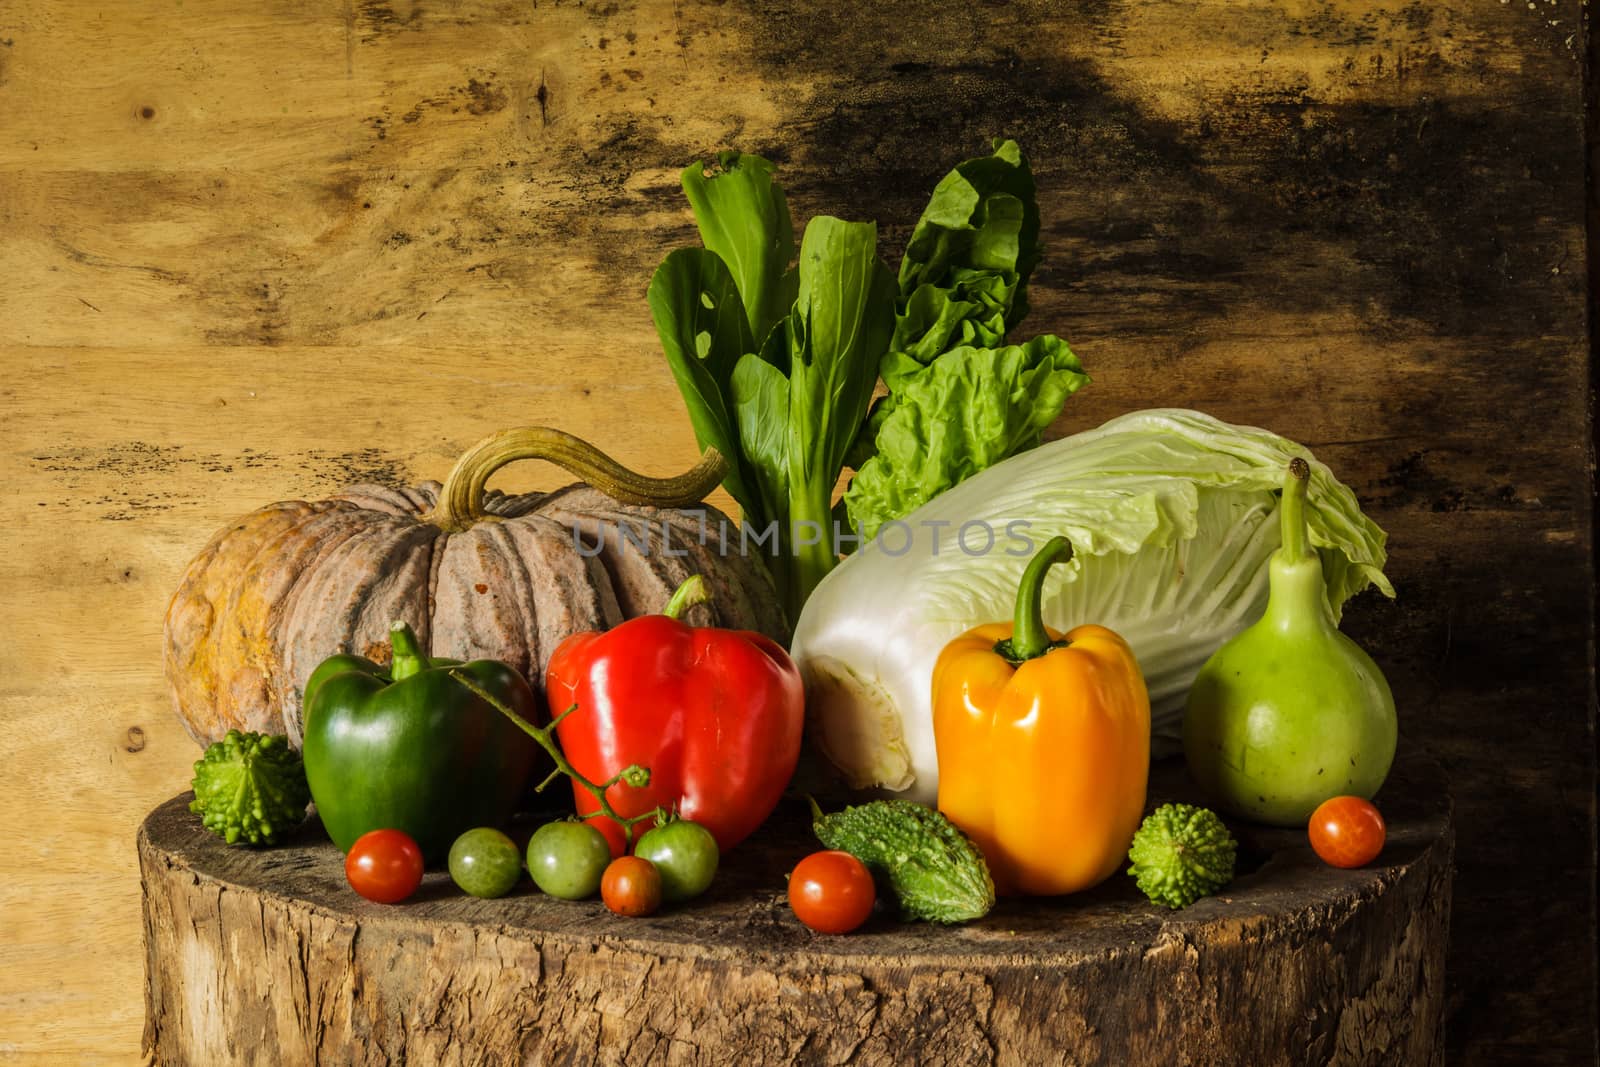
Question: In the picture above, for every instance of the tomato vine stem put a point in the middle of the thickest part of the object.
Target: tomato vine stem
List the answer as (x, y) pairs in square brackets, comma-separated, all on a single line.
[(633, 774)]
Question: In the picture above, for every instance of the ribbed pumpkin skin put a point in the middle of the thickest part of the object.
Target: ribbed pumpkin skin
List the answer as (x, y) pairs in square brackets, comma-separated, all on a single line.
[(277, 591)]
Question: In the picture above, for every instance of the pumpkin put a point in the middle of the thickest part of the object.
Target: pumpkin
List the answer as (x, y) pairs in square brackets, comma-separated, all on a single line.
[(477, 574)]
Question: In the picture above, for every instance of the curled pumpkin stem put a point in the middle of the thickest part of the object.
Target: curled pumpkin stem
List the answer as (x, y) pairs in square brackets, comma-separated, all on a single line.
[(461, 499), (633, 774)]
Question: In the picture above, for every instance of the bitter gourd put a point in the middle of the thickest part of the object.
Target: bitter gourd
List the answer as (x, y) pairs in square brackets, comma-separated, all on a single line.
[(1180, 854), (928, 865), (250, 787)]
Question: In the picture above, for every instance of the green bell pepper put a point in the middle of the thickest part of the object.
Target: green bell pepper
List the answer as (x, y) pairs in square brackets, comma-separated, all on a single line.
[(410, 748)]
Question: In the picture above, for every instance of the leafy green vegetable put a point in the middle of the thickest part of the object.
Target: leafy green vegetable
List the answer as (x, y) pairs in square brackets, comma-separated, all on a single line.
[(714, 305), (762, 406), (934, 871), (250, 787), (1180, 854), (968, 410), (784, 411), (744, 220), (784, 389), (964, 274), (827, 348), (703, 329), (958, 401)]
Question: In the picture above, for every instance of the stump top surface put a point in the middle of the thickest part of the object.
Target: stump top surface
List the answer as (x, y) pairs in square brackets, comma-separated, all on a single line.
[(745, 912)]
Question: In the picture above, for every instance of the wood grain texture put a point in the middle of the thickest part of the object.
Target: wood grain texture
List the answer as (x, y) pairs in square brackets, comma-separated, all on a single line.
[(259, 251), (268, 957)]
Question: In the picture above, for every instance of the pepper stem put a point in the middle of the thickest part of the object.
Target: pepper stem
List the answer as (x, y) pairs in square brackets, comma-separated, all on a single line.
[(407, 658), (692, 591), (1029, 638), (1292, 513), (461, 499), (633, 774)]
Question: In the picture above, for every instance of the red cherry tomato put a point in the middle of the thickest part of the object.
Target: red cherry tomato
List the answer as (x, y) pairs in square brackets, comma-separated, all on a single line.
[(384, 865), (831, 892), (631, 886), (1347, 832)]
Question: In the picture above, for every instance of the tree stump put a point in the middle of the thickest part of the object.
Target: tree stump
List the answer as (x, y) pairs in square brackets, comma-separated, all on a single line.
[(266, 956)]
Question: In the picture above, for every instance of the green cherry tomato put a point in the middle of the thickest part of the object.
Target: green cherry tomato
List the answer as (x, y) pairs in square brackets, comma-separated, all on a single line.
[(685, 853), (567, 859), (485, 862)]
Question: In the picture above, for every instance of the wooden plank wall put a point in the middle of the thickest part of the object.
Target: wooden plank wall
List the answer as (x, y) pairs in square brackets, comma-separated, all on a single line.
[(251, 251)]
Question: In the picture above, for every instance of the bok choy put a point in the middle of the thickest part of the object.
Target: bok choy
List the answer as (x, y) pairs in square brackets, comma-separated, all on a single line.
[(1172, 517), (778, 365)]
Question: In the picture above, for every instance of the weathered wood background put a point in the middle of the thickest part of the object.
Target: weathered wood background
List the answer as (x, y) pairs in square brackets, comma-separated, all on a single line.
[(257, 250)]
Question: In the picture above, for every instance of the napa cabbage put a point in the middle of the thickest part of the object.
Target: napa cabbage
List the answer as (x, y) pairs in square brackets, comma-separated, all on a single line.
[(1172, 517)]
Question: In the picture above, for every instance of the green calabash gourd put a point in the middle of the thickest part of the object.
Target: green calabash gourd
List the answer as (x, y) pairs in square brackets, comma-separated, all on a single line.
[(1289, 712)]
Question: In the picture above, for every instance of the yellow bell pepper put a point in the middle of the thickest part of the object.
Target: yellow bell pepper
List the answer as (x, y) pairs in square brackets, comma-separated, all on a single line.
[(1043, 742)]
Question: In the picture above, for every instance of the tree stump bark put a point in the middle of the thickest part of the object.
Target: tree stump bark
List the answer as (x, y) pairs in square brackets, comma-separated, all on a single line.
[(266, 956)]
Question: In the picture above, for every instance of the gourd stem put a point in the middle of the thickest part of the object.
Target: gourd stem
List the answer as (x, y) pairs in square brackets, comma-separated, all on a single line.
[(461, 500), (693, 591), (1292, 514), (407, 657), (1029, 638)]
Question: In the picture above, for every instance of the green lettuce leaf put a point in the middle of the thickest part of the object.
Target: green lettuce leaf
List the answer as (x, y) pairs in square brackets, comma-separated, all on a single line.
[(963, 279), (968, 410), (959, 400), (935, 320)]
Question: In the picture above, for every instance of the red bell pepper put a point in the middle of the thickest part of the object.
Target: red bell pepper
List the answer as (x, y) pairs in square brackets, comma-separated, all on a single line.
[(714, 714)]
